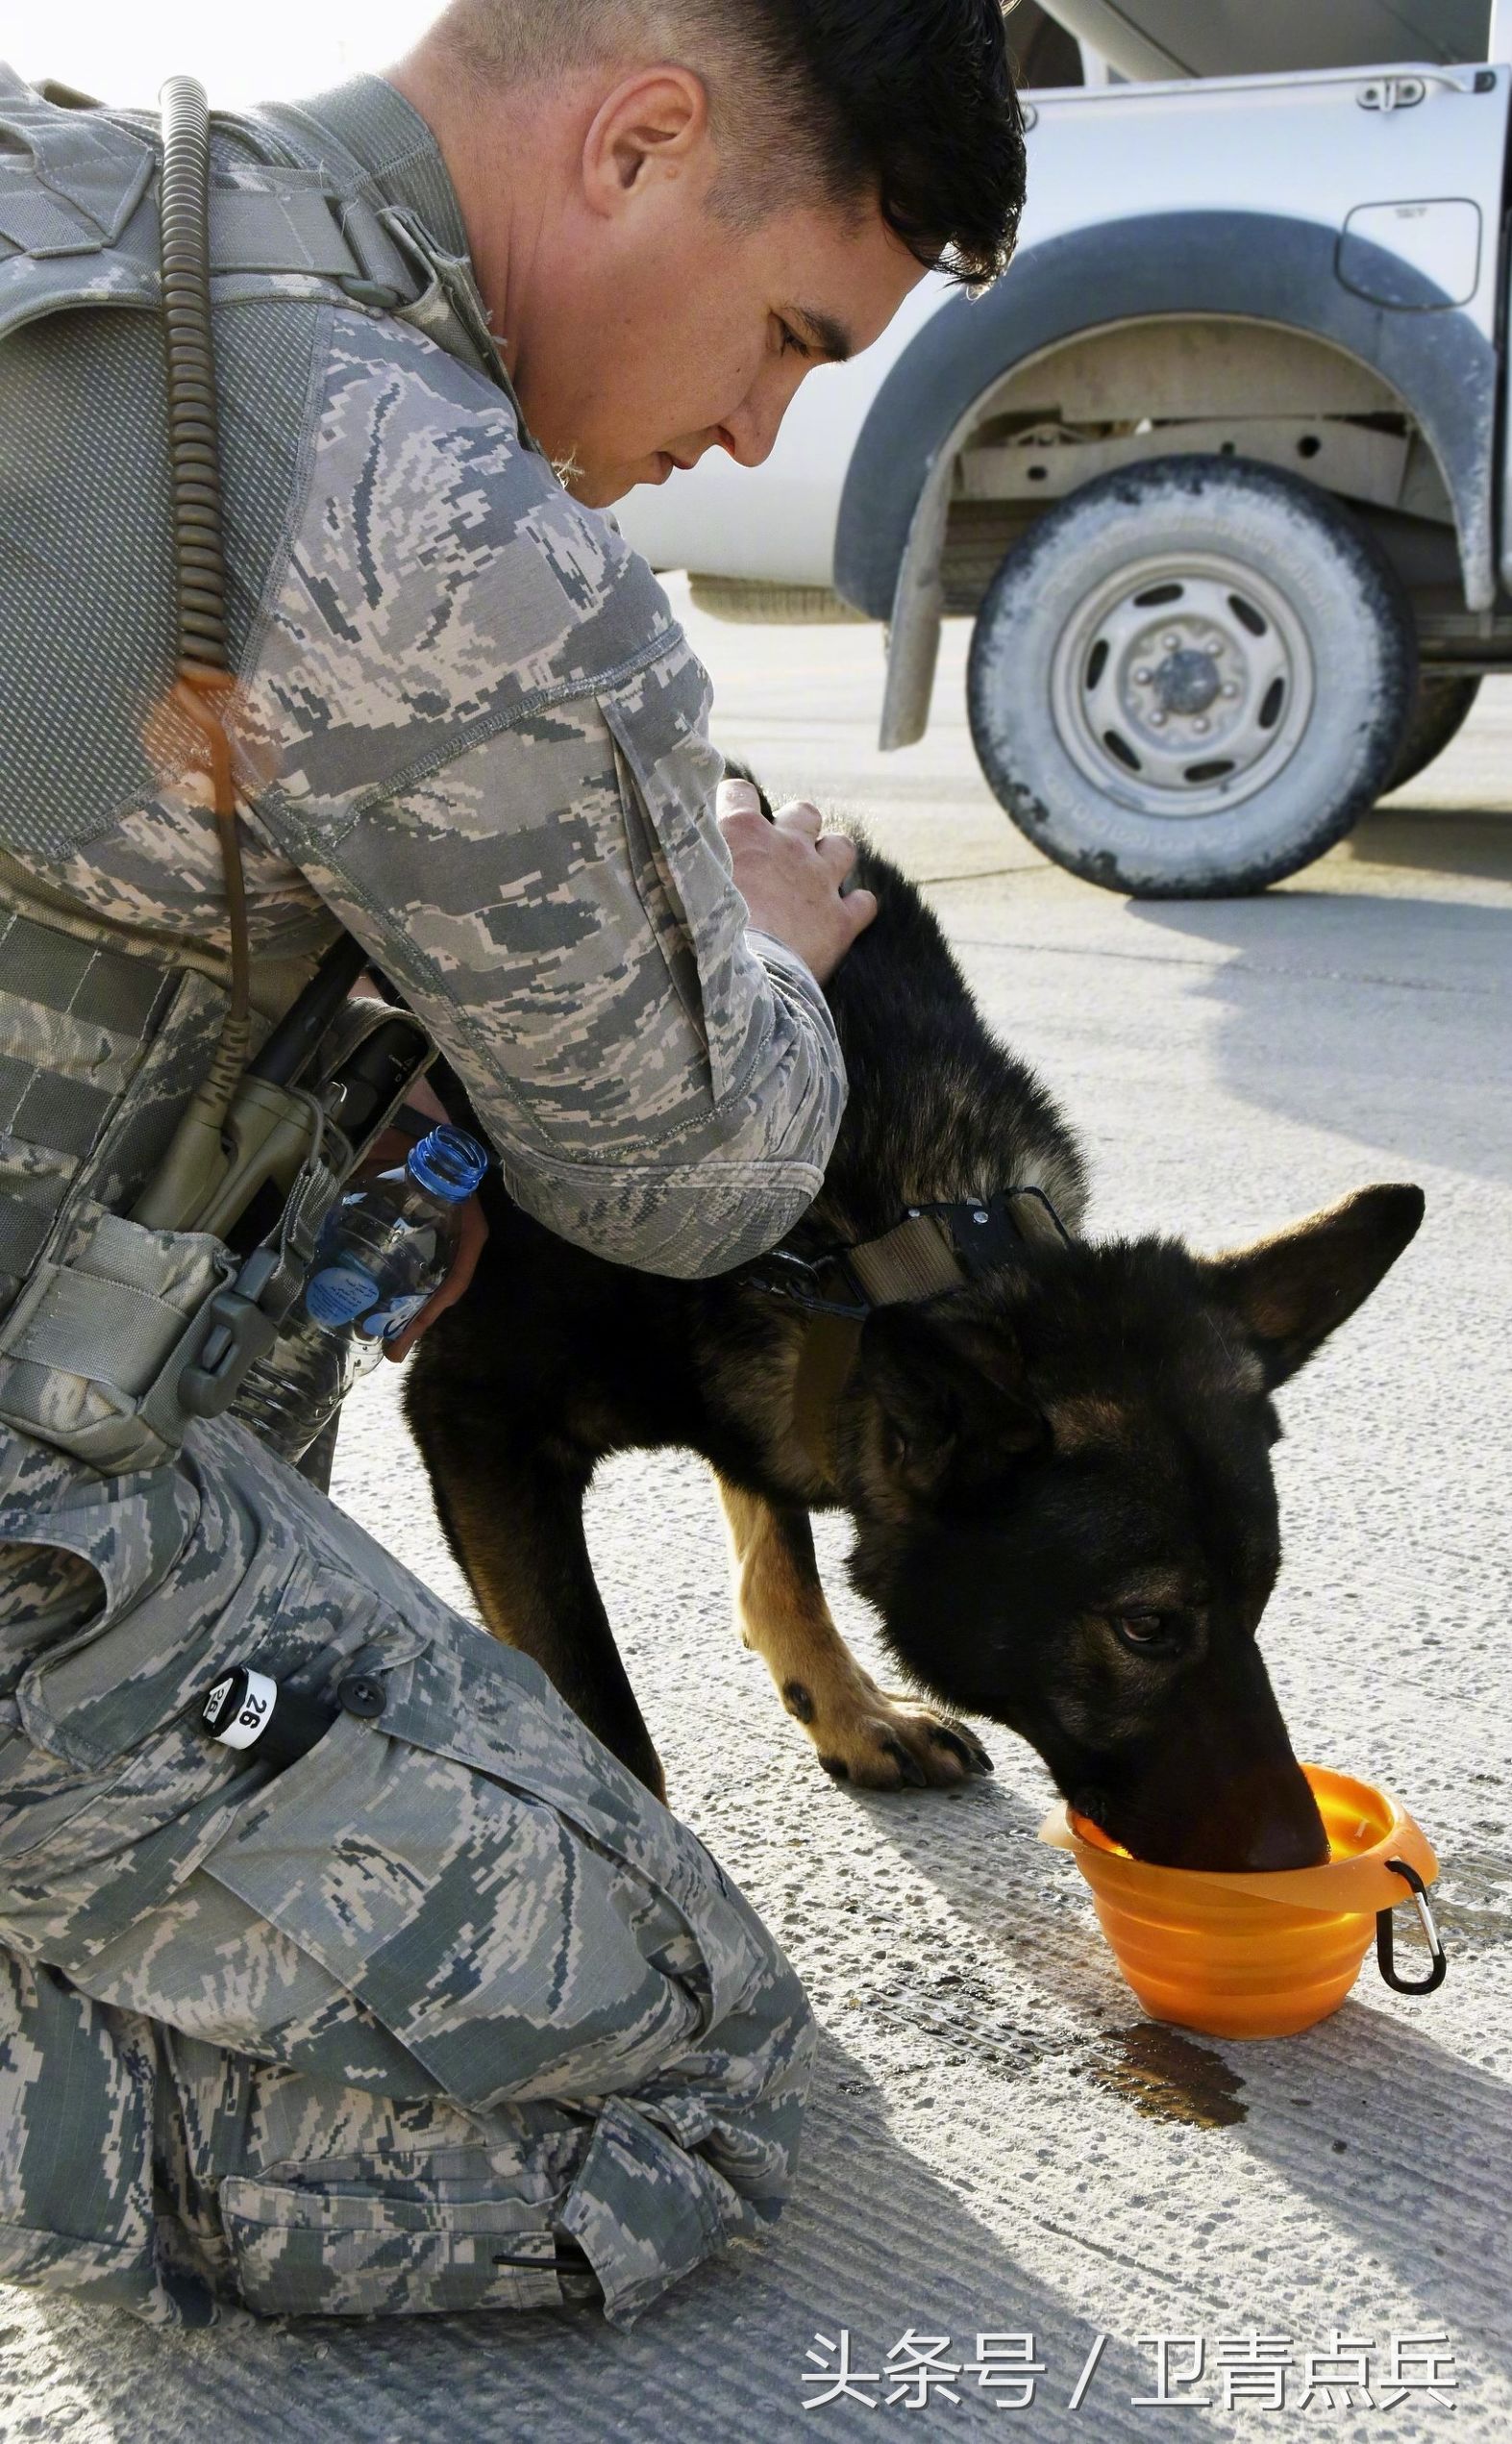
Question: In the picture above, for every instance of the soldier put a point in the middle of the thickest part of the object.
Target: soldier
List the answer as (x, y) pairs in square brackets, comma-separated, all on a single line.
[(449, 2012)]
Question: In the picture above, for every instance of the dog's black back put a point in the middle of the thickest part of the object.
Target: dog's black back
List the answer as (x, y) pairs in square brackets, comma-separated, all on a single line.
[(937, 1109)]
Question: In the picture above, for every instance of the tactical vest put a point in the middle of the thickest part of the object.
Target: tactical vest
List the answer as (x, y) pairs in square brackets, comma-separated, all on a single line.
[(103, 1035)]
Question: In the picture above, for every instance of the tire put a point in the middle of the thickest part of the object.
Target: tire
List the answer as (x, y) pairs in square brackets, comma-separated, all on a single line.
[(1190, 677), (1439, 711)]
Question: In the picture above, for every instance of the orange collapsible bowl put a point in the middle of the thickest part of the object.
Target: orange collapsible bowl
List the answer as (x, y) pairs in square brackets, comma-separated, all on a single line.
[(1261, 1954)]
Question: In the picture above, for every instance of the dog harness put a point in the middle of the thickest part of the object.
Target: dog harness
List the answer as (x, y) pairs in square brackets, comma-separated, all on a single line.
[(929, 1251)]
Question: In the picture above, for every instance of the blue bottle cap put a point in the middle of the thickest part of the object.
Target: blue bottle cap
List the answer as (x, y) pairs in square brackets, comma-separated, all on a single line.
[(449, 1162)]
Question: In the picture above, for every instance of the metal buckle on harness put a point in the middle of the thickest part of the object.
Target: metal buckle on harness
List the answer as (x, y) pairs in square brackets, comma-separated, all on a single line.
[(987, 1232), (781, 1273)]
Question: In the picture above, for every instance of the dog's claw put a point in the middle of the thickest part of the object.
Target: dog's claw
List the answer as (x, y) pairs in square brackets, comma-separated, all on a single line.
[(907, 1767), (885, 1740), (972, 1755)]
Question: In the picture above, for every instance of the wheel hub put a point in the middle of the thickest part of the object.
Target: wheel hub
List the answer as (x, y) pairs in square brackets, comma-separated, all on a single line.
[(1181, 686), (1187, 681)]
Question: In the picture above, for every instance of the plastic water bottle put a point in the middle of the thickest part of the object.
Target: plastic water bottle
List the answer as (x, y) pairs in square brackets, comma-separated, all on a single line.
[(383, 1251)]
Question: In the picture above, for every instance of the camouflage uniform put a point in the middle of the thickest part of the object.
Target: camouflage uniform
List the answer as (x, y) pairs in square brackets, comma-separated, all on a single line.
[(409, 2024)]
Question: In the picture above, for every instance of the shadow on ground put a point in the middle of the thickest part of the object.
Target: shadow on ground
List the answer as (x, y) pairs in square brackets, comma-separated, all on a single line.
[(1434, 842), (1366, 1016)]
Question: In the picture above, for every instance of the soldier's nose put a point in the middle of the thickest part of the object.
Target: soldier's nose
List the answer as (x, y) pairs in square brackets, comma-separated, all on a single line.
[(749, 439)]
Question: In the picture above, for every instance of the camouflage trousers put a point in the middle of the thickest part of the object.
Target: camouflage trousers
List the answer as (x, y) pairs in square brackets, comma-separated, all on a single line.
[(447, 2008)]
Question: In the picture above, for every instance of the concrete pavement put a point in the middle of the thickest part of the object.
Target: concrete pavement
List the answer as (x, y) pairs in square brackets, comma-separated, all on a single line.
[(999, 2143)]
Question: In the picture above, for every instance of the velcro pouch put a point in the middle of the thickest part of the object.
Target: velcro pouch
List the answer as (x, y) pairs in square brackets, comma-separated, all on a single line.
[(92, 1351)]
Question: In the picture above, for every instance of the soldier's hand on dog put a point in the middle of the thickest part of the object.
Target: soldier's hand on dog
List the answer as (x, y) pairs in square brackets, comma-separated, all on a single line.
[(790, 872)]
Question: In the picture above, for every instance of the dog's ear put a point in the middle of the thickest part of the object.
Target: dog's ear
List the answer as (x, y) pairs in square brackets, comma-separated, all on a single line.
[(953, 1400), (1289, 1290)]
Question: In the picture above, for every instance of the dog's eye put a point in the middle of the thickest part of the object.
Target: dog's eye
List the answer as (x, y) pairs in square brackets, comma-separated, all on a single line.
[(1146, 1632)]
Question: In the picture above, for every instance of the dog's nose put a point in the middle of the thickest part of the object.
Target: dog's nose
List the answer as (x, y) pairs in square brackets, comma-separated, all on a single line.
[(1272, 1821)]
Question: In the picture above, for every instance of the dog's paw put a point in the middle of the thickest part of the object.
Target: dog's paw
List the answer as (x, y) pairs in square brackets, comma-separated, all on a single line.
[(881, 1741)]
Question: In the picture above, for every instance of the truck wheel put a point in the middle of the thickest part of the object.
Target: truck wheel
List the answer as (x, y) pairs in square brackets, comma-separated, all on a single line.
[(1190, 677), (1440, 710)]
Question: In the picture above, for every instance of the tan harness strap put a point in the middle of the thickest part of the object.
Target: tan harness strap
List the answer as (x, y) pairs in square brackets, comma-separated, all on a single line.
[(915, 1260), (825, 1360)]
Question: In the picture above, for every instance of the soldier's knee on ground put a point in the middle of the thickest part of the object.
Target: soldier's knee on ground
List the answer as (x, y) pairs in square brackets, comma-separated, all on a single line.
[(646, 2211), (738, 2096), (76, 2097)]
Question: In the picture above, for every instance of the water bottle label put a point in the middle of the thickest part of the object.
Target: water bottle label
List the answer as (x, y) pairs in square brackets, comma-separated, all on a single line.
[(338, 1293), (386, 1322)]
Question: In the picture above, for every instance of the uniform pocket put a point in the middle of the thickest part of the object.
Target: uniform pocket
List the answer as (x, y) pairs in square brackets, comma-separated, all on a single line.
[(366, 2237), (116, 1794), (494, 1887), (92, 1348), (266, 1605)]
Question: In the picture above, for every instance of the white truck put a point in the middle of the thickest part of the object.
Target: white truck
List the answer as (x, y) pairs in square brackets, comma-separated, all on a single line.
[(1218, 470)]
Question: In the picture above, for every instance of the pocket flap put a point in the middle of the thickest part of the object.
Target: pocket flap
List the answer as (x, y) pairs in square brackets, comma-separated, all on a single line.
[(361, 2239)]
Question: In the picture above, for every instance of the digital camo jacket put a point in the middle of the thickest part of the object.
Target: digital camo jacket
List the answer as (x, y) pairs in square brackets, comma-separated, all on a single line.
[(472, 731)]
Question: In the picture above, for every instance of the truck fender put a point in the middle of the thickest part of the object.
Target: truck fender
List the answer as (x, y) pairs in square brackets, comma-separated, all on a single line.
[(1253, 266)]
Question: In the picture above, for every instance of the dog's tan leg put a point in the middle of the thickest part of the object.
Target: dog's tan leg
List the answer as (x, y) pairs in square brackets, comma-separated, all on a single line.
[(863, 1733)]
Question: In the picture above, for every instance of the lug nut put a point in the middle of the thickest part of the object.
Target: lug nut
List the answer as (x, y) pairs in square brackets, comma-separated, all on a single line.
[(1170, 640), (1200, 724), (1157, 721), (1143, 675), (1229, 687)]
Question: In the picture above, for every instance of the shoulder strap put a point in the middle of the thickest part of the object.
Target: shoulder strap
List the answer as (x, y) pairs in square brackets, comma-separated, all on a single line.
[(79, 228), (69, 179), (79, 222), (72, 185)]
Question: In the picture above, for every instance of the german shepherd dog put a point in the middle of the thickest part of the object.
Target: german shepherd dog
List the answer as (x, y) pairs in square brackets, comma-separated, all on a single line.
[(1058, 1474)]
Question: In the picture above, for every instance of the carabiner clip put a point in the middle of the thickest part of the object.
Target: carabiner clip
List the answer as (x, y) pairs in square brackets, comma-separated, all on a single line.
[(1439, 1967)]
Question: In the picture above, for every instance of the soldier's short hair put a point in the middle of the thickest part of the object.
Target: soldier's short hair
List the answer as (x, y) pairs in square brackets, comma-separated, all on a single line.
[(910, 103)]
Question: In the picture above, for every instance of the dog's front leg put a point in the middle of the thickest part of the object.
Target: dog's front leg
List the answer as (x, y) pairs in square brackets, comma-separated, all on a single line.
[(863, 1733)]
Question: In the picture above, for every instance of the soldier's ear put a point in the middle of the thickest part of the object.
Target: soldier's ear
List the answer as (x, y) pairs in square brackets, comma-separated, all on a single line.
[(1291, 1290), (652, 121)]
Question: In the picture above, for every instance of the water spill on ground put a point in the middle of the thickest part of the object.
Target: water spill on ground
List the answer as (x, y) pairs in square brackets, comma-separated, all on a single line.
[(1168, 2076)]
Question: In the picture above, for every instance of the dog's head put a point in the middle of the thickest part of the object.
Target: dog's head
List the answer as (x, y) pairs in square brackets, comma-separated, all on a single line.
[(1066, 1516)]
